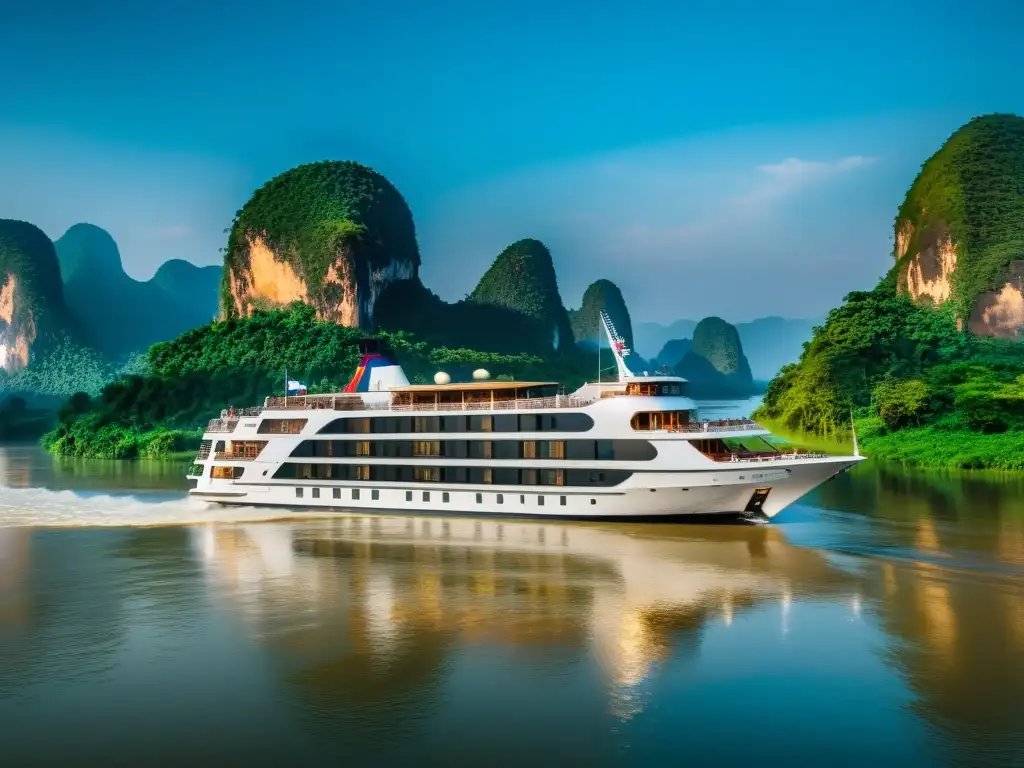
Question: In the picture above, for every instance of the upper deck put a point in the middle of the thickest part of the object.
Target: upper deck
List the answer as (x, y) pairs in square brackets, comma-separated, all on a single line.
[(494, 396)]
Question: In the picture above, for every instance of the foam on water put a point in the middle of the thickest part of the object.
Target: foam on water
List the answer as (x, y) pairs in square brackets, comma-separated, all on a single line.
[(42, 508)]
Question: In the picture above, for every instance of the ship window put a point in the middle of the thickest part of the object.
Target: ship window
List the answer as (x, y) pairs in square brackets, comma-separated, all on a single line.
[(561, 500), (374, 495), (408, 495), (316, 493), (426, 448), (363, 448), (426, 495), (225, 473), (337, 493), (281, 426), (501, 499), (530, 449), (522, 498), (298, 493), (593, 501), (426, 474), (355, 494), (659, 420), (479, 498), (363, 472), (540, 501), (445, 497), (654, 389)]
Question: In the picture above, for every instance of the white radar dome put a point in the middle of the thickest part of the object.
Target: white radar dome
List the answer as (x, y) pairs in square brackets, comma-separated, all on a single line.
[(442, 378), (480, 374)]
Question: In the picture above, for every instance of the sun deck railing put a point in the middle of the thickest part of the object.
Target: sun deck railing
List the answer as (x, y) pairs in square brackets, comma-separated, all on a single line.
[(355, 403), (722, 425)]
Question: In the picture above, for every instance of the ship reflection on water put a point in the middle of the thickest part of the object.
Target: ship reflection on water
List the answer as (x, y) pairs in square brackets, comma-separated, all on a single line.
[(398, 586)]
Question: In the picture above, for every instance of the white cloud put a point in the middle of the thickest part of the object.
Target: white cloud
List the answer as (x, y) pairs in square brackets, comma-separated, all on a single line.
[(701, 214)]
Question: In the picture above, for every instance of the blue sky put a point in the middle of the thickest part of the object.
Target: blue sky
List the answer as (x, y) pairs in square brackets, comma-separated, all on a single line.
[(731, 158)]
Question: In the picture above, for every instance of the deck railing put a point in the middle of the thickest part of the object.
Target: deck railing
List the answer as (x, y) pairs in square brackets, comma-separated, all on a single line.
[(764, 457), (355, 403), (722, 425)]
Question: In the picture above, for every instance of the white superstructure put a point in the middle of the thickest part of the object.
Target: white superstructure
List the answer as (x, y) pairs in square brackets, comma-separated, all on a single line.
[(634, 448)]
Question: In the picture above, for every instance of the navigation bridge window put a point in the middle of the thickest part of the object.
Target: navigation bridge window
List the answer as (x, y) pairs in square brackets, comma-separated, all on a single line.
[(660, 420), (654, 388)]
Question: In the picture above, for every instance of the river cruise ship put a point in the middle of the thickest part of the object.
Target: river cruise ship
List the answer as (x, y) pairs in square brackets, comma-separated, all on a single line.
[(635, 448)]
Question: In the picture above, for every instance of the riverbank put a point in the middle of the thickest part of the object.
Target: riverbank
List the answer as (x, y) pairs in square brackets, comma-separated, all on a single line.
[(925, 447)]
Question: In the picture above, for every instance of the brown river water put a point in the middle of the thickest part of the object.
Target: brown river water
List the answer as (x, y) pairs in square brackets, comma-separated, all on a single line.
[(880, 620)]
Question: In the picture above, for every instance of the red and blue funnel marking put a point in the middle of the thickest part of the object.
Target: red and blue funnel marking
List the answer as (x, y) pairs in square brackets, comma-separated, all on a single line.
[(364, 373)]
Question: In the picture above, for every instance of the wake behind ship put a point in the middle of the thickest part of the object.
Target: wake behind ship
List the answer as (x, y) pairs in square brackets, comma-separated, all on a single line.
[(632, 449)]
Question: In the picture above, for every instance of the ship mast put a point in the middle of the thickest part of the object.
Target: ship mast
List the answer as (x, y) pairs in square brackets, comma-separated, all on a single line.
[(618, 345)]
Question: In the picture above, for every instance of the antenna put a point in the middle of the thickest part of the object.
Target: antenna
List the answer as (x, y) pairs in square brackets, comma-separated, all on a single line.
[(618, 345)]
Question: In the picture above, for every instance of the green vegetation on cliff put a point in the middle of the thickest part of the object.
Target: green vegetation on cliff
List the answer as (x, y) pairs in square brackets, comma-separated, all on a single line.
[(30, 284), (312, 214), (523, 279), (972, 189), (586, 321), (905, 372), (410, 304), (241, 361)]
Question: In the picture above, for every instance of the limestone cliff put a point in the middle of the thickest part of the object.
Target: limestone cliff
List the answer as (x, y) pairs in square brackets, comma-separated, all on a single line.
[(586, 321), (333, 235), (32, 307), (522, 279), (715, 364), (959, 235)]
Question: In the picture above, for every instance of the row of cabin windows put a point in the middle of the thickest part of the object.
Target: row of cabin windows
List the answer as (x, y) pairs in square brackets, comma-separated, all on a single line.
[(356, 495), (403, 473), (654, 389), (504, 422), (576, 450), (658, 420)]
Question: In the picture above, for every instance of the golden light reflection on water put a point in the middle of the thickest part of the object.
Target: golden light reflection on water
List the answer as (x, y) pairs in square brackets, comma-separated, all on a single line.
[(621, 595)]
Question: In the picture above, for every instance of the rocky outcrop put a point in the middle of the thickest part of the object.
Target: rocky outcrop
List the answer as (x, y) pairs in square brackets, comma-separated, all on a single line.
[(32, 310), (715, 366), (522, 279), (602, 295), (333, 235), (959, 235)]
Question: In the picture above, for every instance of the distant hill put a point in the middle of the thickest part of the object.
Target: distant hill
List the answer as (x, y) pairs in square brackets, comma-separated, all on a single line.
[(768, 342), (715, 365), (673, 352), (772, 342), (649, 338), (522, 278), (601, 295), (120, 315)]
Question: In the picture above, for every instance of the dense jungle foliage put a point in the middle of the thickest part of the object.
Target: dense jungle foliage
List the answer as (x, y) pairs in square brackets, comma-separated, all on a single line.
[(241, 361), (921, 390)]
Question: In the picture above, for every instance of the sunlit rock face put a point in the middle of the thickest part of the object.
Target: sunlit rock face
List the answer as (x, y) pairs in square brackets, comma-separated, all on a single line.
[(31, 295), (959, 236), (332, 235)]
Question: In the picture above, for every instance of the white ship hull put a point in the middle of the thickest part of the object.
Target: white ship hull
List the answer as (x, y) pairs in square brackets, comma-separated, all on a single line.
[(628, 450), (650, 496)]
